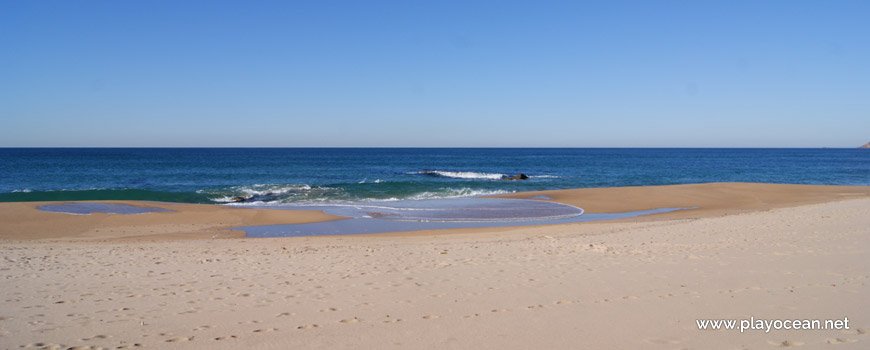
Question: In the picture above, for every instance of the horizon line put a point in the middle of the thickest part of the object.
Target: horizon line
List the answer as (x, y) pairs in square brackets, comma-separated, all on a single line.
[(414, 147)]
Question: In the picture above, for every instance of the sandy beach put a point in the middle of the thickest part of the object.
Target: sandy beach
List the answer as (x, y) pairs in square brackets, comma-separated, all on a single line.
[(182, 280)]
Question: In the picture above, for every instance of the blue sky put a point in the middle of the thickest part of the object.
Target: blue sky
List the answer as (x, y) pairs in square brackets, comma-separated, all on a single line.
[(435, 73)]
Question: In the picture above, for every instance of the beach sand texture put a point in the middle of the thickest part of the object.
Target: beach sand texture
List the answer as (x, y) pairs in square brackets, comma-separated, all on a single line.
[(750, 250), (22, 220)]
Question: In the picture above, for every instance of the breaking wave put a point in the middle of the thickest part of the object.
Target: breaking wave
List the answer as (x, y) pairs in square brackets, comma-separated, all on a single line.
[(266, 193), (455, 193), (337, 195), (277, 194), (462, 174)]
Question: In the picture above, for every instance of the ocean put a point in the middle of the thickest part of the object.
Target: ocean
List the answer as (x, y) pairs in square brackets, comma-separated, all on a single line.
[(276, 176)]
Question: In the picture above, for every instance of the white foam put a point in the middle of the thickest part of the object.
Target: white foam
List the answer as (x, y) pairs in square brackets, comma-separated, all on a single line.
[(458, 193), (377, 181), (329, 201), (444, 193), (463, 174), (267, 189), (257, 190), (254, 204), (225, 199)]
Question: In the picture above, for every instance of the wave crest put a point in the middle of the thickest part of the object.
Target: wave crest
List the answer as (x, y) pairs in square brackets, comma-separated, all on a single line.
[(463, 174), (263, 192), (337, 196), (456, 193)]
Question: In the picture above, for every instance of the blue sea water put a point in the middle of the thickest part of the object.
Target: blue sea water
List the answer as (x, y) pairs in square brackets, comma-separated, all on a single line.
[(337, 175)]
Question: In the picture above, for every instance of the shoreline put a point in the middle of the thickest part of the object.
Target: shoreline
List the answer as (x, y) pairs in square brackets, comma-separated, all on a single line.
[(711, 199), (22, 221), (625, 284)]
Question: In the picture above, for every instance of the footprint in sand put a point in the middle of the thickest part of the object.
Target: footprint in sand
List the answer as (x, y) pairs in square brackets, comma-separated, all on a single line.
[(265, 330), (180, 339), (283, 314), (663, 341), (470, 316), (202, 328), (41, 345), (841, 340), (332, 309), (228, 337), (786, 343), (129, 346), (430, 317), (393, 321), (350, 320), (307, 326), (96, 337)]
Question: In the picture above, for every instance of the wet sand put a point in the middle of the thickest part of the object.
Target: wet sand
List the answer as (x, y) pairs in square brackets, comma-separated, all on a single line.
[(21, 221), (713, 199), (750, 250)]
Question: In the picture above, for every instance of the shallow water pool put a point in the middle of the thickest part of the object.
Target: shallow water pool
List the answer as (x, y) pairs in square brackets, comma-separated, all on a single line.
[(80, 208), (401, 216)]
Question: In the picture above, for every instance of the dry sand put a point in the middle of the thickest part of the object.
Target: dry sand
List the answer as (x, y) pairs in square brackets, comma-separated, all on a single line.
[(776, 253)]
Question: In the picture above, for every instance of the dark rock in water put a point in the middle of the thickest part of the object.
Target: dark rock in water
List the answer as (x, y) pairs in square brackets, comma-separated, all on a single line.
[(239, 199), (866, 145), (517, 177)]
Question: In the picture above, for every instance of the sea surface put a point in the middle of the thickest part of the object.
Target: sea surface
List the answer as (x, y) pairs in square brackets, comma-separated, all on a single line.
[(311, 176)]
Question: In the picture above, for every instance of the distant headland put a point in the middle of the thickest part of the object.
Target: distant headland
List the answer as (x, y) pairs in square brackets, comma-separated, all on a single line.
[(866, 145)]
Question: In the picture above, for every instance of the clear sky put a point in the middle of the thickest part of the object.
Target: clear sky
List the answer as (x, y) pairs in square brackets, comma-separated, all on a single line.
[(435, 73)]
